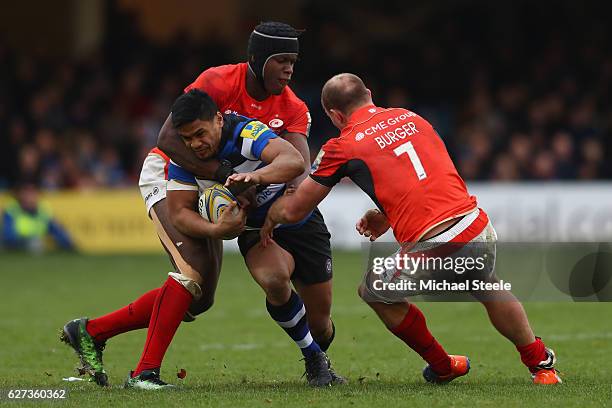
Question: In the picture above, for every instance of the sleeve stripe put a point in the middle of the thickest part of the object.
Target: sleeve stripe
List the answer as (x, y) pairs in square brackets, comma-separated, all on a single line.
[(176, 172), (185, 183), (261, 142), (247, 145)]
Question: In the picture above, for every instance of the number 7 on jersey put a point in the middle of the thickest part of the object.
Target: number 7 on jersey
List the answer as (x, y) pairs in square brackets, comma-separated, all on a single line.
[(414, 158)]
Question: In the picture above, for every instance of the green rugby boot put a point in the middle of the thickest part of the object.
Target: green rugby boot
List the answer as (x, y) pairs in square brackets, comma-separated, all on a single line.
[(89, 351), (147, 380)]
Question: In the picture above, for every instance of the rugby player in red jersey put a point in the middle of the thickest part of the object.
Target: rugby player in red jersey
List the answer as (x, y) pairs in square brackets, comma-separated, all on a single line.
[(398, 159), (256, 89)]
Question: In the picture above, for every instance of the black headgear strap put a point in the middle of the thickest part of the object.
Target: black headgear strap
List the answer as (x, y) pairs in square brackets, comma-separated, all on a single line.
[(262, 47)]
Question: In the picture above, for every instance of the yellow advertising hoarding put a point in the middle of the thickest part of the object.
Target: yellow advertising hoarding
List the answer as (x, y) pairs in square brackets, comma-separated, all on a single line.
[(103, 221)]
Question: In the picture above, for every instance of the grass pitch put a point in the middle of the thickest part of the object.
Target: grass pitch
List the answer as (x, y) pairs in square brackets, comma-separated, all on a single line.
[(236, 356)]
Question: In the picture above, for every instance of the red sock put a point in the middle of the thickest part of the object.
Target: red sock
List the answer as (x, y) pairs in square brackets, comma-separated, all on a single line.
[(170, 307), (532, 354), (414, 332), (134, 316)]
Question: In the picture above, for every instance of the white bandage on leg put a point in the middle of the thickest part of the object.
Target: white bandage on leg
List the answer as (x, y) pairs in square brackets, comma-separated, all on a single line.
[(192, 286)]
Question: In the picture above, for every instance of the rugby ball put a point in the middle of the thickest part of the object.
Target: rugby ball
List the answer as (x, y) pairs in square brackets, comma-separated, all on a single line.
[(213, 201)]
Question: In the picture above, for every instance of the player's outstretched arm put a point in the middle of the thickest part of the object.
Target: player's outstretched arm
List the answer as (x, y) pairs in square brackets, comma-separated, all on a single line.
[(181, 204), (170, 143), (294, 207), (284, 164)]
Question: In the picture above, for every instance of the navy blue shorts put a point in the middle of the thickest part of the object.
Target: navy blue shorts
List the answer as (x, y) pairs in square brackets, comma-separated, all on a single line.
[(308, 244)]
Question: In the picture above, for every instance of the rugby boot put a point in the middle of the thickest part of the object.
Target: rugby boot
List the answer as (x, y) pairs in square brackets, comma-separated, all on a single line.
[(545, 372), (336, 378), (89, 351), (317, 370), (147, 380), (460, 366)]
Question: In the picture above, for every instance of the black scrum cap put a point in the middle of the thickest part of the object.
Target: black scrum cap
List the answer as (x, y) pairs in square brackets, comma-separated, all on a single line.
[(267, 40)]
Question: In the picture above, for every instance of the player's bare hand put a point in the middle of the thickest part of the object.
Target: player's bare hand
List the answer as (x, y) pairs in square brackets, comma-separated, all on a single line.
[(372, 225), (248, 198), (231, 222), (249, 179), (266, 232)]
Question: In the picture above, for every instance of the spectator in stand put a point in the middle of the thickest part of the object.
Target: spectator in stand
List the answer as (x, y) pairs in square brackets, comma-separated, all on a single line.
[(27, 223)]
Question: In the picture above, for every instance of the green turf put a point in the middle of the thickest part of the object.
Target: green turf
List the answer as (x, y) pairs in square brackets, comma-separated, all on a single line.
[(236, 356)]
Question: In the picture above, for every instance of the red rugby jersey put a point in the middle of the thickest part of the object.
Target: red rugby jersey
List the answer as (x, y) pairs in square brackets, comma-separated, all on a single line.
[(399, 160), (226, 85)]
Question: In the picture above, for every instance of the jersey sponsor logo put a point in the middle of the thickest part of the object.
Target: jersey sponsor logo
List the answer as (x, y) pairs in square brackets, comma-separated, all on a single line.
[(317, 161), (152, 193), (266, 195), (359, 136), (276, 123), (372, 110), (386, 123), (253, 130)]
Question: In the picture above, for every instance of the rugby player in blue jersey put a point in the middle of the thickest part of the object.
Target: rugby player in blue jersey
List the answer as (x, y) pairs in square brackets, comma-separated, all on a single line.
[(268, 161)]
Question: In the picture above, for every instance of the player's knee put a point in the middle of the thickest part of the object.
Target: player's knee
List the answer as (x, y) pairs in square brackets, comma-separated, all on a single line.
[(275, 285), (188, 283), (198, 279), (202, 305), (273, 282), (191, 273), (199, 306)]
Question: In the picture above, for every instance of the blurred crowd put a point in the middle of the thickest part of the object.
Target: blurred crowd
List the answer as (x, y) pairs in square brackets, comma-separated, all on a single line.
[(517, 90), (528, 100)]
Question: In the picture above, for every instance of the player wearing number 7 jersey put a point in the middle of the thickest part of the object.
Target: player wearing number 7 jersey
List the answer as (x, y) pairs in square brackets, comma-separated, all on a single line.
[(397, 158)]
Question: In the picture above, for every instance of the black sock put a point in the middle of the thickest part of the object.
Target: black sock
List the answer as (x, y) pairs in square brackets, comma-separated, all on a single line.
[(324, 344)]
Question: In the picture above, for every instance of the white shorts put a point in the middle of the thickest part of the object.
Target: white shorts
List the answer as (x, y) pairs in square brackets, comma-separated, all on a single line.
[(434, 253), (152, 180)]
